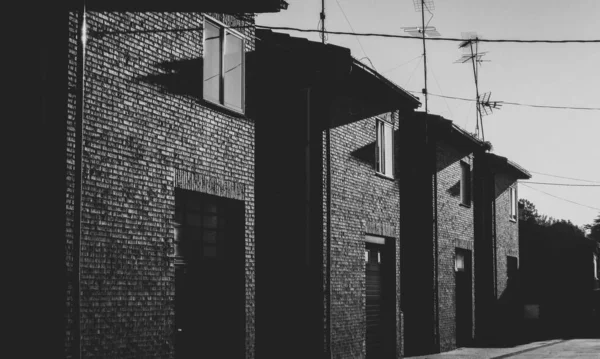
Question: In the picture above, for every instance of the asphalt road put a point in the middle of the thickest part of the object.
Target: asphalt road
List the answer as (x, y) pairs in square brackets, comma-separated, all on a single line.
[(563, 349)]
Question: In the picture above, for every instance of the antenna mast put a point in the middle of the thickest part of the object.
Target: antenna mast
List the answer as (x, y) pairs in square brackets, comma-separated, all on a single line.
[(422, 31), (483, 104), (424, 52)]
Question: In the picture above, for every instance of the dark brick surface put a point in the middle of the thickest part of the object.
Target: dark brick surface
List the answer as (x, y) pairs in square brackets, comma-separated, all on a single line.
[(143, 129)]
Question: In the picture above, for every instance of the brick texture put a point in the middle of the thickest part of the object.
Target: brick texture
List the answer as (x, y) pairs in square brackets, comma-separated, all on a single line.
[(506, 244), (362, 203), (455, 228), (145, 127)]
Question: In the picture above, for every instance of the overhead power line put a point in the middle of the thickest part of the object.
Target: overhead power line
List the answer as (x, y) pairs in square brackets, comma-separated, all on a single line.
[(571, 178), (518, 103), (564, 199), (562, 184), (428, 39)]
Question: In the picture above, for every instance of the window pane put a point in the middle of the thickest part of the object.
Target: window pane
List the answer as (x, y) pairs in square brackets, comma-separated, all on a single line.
[(233, 71), (194, 218), (210, 237), (210, 207), (192, 234), (210, 222), (465, 185), (212, 62), (389, 150)]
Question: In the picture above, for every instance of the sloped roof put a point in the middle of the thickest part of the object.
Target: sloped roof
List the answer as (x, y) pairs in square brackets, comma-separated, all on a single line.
[(361, 78)]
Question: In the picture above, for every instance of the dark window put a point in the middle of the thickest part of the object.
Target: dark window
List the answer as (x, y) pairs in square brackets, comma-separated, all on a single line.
[(199, 227), (223, 66), (465, 183)]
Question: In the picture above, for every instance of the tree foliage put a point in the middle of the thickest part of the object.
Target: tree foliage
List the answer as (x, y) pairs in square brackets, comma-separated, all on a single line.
[(530, 215)]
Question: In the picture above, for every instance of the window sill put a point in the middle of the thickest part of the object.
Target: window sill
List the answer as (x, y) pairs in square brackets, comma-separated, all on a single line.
[(379, 174), (464, 205), (222, 108)]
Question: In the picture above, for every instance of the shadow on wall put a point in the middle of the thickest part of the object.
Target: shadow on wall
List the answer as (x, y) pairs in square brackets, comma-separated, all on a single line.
[(180, 77), (365, 154)]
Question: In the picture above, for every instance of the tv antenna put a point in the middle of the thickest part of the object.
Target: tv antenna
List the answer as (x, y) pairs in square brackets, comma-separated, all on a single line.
[(471, 52), (422, 31), (488, 106)]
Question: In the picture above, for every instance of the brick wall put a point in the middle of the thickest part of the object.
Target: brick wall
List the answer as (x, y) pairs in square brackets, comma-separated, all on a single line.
[(362, 203), (455, 229), (145, 123), (507, 230), (506, 244)]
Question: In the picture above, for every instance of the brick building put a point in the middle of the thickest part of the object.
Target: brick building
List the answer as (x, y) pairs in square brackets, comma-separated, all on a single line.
[(437, 231), (159, 148), (497, 247), (163, 240), (459, 236), (325, 174)]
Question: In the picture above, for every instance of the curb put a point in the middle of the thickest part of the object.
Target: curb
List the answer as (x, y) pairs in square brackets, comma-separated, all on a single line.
[(529, 349)]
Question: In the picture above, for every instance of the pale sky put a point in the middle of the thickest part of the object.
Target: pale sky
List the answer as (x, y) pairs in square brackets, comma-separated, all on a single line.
[(552, 141)]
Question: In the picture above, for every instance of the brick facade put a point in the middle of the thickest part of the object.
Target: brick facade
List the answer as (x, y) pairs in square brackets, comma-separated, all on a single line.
[(146, 132), (435, 225), (363, 202), (497, 239), (454, 230)]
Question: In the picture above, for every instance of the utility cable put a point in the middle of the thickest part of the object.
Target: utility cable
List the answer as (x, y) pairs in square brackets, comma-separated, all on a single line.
[(518, 103), (563, 177), (564, 199), (429, 38), (563, 184)]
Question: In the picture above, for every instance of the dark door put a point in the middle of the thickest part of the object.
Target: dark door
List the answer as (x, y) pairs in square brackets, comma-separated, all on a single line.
[(209, 277), (374, 296), (464, 298)]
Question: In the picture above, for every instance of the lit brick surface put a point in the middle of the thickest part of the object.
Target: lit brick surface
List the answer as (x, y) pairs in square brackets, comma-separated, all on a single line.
[(138, 136)]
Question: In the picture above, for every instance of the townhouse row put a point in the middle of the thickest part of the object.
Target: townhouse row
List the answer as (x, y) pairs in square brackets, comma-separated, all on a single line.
[(240, 193)]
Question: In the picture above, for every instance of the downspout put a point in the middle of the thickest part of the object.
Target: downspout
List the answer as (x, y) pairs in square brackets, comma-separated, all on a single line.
[(79, 118)]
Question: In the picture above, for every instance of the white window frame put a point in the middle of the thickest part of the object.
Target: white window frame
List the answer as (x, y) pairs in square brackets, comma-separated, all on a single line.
[(513, 203), (383, 150), (223, 31)]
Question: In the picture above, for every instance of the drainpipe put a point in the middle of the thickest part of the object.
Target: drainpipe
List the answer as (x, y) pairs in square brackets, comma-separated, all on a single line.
[(79, 118)]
